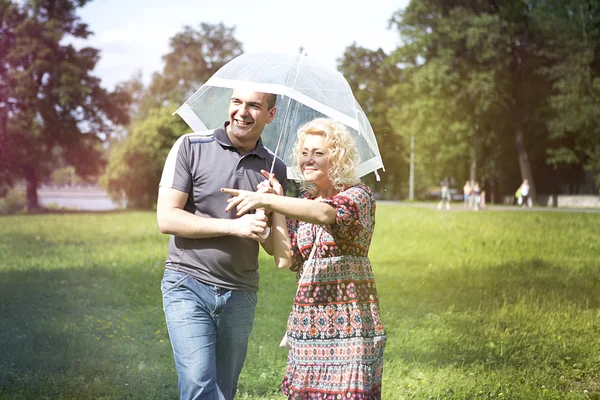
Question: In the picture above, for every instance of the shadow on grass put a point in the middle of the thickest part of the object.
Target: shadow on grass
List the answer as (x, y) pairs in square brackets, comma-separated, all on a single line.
[(83, 333), (99, 332), (50, 211), (485, 289)]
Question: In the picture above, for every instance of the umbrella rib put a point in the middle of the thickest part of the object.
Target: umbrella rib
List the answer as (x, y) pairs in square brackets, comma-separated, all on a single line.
[(285, 116)]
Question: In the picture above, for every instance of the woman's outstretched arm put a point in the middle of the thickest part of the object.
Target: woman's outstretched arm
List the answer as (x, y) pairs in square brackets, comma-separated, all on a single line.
[(311, 211)]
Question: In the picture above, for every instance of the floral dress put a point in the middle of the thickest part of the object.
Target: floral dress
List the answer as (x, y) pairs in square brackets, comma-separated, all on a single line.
[(335, 330)]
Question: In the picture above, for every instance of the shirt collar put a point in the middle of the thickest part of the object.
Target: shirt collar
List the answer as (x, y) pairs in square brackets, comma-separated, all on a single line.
[(221, 137)]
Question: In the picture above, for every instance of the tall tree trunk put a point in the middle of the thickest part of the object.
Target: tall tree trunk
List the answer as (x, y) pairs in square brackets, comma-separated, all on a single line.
[(492, 190), (473, 169), (31, 180), (524, 164), (6, 171), (518, 55), (3, 140)]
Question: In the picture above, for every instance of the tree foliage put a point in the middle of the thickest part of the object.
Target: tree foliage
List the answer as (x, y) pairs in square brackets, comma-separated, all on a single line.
[(194, 56), (52, 110), (573, 67), (454, 59), (369, 75), (498, 91), (135, 165), (136, 161)]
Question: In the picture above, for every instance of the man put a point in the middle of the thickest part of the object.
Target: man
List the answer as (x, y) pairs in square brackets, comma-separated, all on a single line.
[(211, 276)]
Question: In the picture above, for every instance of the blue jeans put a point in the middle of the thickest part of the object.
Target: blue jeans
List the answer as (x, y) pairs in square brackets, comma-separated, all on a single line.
[(209, 328)]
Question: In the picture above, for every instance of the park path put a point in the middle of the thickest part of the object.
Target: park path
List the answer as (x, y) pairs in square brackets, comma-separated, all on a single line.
[(458, 207)]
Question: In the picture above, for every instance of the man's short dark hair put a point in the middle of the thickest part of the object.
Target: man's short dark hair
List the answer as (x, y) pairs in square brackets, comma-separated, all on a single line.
[(271, 99)]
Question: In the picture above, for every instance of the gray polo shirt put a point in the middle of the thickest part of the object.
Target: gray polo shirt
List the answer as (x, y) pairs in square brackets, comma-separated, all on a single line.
[(200, 164)]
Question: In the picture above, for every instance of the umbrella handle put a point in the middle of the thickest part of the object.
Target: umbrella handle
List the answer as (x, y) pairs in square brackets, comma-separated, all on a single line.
[(261, 212)]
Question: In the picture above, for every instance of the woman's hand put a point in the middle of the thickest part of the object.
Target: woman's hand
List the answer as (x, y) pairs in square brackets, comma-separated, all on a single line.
[(244, 200), (271, 185)]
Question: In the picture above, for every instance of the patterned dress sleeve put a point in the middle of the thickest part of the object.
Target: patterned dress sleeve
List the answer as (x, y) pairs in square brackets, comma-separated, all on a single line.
[(297, 259), (353, 211)]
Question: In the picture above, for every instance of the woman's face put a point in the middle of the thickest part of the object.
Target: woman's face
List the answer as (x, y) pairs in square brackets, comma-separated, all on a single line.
[(314, 160)]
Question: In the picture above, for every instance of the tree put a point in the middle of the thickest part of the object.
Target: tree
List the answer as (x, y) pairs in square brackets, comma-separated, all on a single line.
[(194, 57), (521, 42), (573, 67), (53, 111), (136, 161), (473, 80), (135, 164), (369, 75), (64, 176), (453, 59)]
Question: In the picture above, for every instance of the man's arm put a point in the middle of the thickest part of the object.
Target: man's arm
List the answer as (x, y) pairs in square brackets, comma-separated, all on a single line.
[(174, 220)]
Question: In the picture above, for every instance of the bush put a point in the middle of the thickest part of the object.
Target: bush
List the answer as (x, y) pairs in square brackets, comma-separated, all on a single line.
[(135, 164), (14, 201)]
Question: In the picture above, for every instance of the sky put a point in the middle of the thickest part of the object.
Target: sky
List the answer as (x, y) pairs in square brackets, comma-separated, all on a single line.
[(133, 35)]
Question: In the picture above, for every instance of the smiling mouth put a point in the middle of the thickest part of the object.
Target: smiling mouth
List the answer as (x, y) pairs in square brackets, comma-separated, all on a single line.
[(242, 123)]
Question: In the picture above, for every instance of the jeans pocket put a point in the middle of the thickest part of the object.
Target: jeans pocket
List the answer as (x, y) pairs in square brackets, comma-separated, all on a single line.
[(251, 296), (172, 280)]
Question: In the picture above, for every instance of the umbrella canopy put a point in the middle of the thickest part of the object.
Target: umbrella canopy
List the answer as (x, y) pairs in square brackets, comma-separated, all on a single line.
[(305, 90)]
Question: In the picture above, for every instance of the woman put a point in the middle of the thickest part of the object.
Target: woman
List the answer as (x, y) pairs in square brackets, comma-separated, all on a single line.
[(476, 196), (467, 191), (335, 330), (524, 192)]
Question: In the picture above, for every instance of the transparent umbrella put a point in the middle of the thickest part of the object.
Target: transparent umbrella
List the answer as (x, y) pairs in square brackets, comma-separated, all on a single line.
[(305, 90)]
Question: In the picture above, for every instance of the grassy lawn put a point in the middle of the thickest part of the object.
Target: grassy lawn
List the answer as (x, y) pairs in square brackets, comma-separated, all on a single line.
[(489, 305)]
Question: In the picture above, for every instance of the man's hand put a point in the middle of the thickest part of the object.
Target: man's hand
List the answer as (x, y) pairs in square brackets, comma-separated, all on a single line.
[(251, 226)]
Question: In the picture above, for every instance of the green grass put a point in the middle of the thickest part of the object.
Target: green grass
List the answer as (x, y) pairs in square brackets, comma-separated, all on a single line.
[(489, 305)]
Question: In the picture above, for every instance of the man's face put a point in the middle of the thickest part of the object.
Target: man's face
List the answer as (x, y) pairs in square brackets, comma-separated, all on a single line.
[(248, 115)]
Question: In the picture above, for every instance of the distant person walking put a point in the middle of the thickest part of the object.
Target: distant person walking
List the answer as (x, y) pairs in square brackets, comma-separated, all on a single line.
[(446, 197), (476, 196), (525, 200), (467, 192)]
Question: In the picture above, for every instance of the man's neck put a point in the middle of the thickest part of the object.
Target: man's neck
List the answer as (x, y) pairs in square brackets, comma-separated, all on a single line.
[(242, 148)]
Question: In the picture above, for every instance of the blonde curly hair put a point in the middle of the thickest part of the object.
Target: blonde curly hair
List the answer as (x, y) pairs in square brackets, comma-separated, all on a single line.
[(343, 157)]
